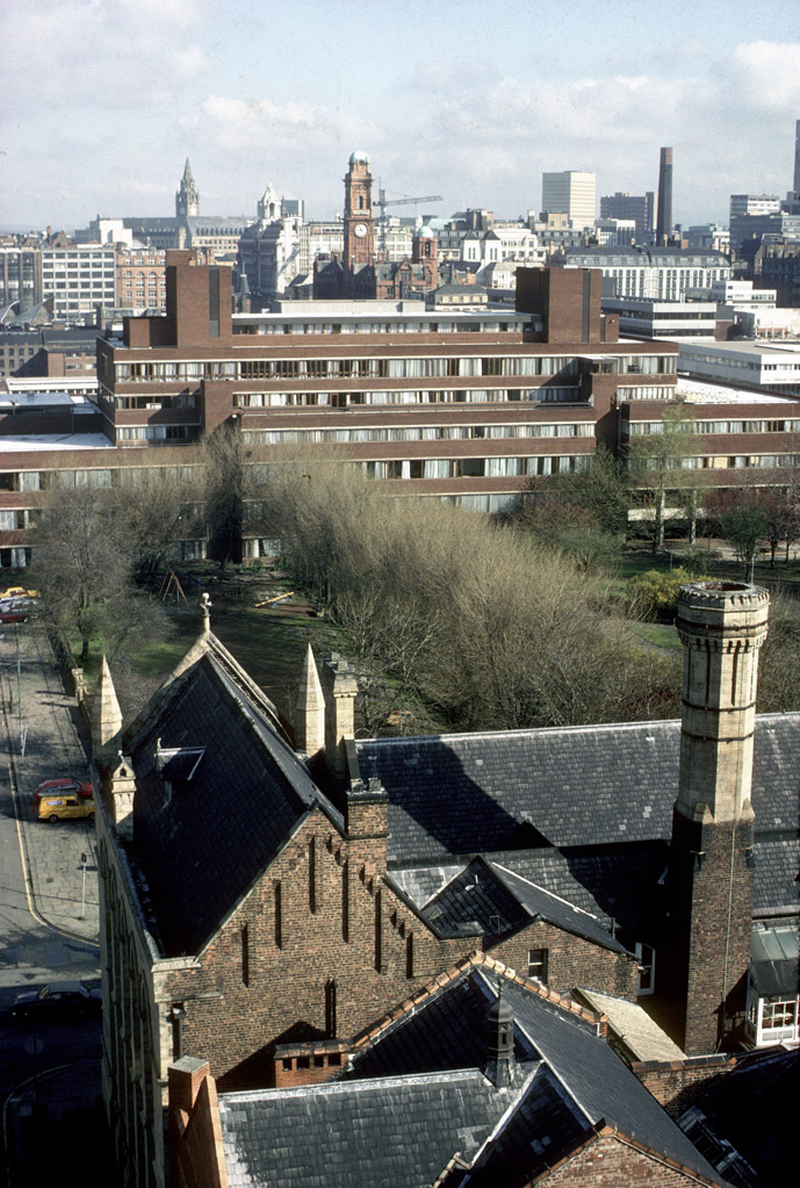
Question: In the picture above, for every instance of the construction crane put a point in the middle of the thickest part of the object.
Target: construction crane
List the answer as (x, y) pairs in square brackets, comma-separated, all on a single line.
[(382, 201)]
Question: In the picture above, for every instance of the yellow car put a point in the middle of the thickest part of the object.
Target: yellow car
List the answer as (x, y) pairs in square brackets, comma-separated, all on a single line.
[(19, 592), (65, 808)]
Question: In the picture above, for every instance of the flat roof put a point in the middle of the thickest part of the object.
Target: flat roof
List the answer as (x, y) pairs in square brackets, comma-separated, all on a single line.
[(747, 348), (25, 401), (41, 443), (698, 392)]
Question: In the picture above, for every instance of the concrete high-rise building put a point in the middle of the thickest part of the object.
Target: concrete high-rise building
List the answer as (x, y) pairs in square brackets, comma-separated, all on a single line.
[(573, 193), (639, 207), (754, 204), (797, 159), (664, 216)]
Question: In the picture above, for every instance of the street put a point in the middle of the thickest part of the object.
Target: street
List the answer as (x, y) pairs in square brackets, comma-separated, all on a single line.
[(50, 1073)]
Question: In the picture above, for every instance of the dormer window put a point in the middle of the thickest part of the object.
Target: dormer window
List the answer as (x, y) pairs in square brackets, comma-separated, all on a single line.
[(178, 764)]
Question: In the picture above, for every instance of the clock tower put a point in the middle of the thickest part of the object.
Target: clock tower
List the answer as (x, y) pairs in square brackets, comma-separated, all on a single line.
[(359, 224)]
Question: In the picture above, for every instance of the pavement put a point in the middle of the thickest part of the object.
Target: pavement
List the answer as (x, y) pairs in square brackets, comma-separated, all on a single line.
[(42, 736)]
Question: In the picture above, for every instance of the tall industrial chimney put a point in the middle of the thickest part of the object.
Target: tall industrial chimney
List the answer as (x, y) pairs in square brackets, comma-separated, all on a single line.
[(664, 215)]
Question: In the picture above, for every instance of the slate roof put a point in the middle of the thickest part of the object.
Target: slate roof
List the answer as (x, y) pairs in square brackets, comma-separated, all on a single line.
[(582, 786), (201, 843), (751, 1113), (415, 1097), (491, 901), (574, 1080), (357, 1134)]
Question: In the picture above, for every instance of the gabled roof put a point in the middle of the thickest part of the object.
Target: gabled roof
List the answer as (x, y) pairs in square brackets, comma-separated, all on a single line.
[(400, 1132), (569, 1082), (415, 1101), (202, 843), (491, 901), (747, 1120)]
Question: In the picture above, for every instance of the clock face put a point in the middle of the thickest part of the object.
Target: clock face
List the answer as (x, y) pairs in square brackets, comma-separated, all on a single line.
[(360, 230)]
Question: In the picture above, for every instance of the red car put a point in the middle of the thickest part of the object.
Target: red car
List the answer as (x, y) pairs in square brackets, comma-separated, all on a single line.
[(64, 786)]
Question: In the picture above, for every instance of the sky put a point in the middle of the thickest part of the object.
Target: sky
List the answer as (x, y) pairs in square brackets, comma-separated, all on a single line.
[(469, 99)]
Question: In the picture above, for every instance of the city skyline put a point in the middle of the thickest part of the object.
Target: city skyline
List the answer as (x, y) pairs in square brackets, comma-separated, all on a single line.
[(107, 98)]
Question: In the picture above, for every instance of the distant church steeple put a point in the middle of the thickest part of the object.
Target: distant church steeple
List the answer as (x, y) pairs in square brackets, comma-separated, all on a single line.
[(187, 199)]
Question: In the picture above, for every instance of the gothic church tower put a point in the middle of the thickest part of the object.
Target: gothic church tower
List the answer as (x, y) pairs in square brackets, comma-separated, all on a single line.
[(187, 199)]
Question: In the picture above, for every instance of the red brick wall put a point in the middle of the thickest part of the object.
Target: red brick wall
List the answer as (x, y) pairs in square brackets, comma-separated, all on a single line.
[(350, 927), (678, 1084), (572, 961), (609, 1162)]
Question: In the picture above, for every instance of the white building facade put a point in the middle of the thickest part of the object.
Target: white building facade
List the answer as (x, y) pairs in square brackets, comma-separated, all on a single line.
[(572, 192)]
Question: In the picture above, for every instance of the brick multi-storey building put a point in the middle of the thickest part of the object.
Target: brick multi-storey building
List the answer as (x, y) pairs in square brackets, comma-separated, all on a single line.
[(465, 407), (266, 888)]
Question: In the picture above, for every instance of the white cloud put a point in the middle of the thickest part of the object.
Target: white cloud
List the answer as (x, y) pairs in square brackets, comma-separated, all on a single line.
[(243, 123), (192, 59), (768, 73)]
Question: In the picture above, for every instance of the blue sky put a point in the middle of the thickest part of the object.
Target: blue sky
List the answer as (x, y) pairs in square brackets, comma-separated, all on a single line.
[(104, 99)]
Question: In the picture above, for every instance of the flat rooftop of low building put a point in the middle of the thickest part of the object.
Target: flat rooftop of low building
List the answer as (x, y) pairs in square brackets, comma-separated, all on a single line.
[(749, 347), (40, 443), (19, 402), (700, 392)]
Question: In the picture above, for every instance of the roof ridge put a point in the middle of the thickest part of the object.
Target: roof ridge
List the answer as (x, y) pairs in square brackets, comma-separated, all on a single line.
[(409, 1006)]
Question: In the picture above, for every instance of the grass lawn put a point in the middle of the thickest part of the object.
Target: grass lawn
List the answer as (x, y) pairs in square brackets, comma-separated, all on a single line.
[(269, 642), (658, 635)]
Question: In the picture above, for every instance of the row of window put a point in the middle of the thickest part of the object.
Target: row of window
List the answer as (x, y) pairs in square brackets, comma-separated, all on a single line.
[(417, 433), (428, 366), (648, 428), (546, 394), (448, 468)]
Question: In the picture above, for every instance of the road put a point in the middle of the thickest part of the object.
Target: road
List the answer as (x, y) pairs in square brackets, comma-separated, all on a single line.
[(50, 1071)]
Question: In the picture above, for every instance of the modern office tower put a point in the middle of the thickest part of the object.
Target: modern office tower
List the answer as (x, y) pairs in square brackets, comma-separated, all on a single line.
[(796, 185), (664, 216), (638, 207), (754, 204), (573, 193)]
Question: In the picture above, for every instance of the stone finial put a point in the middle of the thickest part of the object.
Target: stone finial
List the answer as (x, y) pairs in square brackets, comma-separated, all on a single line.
[(340, 688), (310, 708), (120, 788), (106, 718), (205, 606)]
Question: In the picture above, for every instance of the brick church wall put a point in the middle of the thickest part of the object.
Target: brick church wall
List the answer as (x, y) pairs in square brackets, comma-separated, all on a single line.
[(321, 914)]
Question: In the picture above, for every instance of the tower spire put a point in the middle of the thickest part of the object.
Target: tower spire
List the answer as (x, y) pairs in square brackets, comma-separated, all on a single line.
[(187, 199), (310, 712), (106, 718)]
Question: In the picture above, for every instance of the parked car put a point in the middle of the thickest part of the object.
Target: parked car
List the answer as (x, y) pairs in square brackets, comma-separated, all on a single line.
[(14, 614), (18, 592), (63, 786), (65, 808), (58, 1000)]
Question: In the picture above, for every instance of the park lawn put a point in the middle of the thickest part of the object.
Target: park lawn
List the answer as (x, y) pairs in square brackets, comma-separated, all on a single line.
[(657, 635)]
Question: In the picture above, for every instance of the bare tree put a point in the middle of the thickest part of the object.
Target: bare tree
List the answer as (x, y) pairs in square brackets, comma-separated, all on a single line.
[(82, 565), (659, 464)]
